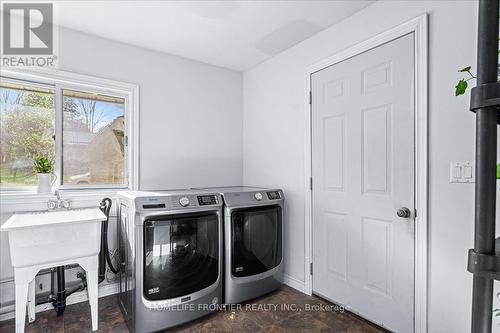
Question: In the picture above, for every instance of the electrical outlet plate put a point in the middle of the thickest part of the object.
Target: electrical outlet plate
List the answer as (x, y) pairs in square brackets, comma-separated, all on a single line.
[(462, 172)]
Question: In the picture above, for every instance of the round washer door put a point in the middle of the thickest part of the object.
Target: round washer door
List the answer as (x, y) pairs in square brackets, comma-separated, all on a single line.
[(256, 240), (181, 255)]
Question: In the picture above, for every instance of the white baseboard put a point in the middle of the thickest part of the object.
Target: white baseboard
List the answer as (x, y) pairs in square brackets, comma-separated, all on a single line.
[(7, 312), (294, 283)]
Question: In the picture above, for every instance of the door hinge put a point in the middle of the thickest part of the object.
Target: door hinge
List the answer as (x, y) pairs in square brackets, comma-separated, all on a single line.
[(126, 140), (310, 97), (415, 213), (311, 183), (311, 268)]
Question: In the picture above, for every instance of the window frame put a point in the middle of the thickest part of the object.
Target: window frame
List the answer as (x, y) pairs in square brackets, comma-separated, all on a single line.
[(59, 80), (58, 167)]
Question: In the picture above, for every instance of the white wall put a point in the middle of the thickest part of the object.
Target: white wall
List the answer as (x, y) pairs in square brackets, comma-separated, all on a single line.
[(190, 112), (273, 139), (190, 120)]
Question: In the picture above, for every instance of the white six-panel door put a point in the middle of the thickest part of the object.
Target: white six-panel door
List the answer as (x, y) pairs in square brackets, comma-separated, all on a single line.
[(363, 173)]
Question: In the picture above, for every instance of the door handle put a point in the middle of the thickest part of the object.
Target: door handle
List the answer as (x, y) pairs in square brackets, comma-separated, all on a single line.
[(404, 212)]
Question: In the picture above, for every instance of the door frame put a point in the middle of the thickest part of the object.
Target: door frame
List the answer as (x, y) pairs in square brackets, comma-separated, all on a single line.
[(417, 26)]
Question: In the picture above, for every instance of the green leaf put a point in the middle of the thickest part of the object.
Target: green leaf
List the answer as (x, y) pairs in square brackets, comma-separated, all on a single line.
[(465, 69), (461, 87), (498, 177)]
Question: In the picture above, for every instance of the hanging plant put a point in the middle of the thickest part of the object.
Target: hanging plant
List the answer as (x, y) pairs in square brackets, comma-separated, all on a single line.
[(462, 85)]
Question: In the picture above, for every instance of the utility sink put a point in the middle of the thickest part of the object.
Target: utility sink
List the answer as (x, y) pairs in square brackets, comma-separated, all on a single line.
[(51, 236), (40, 240)]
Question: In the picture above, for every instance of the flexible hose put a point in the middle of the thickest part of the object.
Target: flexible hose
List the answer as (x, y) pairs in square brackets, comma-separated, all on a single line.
[(106, 208)]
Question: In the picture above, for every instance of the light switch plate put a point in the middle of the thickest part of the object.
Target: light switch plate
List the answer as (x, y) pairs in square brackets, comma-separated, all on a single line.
[(462, 172)]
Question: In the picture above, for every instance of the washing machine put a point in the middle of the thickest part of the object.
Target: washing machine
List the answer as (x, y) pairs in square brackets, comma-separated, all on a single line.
[(171, 256), (253, 241)]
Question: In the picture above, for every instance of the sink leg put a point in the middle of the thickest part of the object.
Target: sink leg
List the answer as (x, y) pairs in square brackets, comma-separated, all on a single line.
[(23, 278), (90, 266), (31, 301), (21, 300), (92, 289)]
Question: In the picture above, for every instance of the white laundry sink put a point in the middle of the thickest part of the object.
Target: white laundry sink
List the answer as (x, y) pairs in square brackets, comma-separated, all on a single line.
[(51, 236)]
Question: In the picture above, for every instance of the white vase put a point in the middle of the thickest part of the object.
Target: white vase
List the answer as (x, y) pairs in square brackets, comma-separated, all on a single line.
[(45, 181)]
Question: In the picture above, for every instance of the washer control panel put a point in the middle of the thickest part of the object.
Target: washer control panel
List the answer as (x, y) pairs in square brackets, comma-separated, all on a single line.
[(177, 201)]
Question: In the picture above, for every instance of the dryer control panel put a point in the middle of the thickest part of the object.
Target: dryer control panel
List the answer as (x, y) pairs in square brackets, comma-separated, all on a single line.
[(274, 195), (255, 197)]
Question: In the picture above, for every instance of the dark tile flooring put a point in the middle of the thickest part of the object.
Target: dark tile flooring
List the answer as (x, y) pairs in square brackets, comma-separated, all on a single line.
[(302, 318)]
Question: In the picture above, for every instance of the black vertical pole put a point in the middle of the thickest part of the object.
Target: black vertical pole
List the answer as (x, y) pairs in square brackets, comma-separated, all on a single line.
[(486, 155), (61, 291)]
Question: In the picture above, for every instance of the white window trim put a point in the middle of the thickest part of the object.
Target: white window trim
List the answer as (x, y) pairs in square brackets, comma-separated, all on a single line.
[(58, 78)]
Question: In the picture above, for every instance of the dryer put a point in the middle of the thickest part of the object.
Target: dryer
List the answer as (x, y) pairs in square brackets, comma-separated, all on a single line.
[(171, 256), (253, 241)]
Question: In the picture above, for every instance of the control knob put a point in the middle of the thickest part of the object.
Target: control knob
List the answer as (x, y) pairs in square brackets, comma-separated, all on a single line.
[(184, 201), (258, 196)]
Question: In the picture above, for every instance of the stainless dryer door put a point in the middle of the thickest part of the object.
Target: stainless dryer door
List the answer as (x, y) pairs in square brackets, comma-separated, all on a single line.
[(181, 255), (256, 239)]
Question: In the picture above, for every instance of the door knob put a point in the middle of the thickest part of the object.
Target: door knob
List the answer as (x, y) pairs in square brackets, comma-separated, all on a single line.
[(404, 212)]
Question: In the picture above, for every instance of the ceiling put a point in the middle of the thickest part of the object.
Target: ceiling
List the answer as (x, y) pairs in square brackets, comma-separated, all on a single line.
[(232, 34)]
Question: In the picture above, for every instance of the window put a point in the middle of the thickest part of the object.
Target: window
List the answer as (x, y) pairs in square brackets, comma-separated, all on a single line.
[(93, 139), (26, 131), (83, 129)]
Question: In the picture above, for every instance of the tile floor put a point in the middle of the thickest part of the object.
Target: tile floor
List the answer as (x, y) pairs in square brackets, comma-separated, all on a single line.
[(77, 318)]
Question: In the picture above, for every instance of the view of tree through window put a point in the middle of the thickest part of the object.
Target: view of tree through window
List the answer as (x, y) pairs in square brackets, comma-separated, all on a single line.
[(26, 131), (93, 139)]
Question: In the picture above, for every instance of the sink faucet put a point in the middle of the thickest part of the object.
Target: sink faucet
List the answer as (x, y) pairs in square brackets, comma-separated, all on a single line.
[(58, 203)]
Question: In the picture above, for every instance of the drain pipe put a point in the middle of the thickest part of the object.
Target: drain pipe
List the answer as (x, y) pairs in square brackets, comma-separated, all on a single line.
[(104, 255), (60, 305)]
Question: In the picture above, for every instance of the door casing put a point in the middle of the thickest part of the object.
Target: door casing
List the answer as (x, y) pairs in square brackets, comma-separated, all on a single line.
[(417, 26)]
